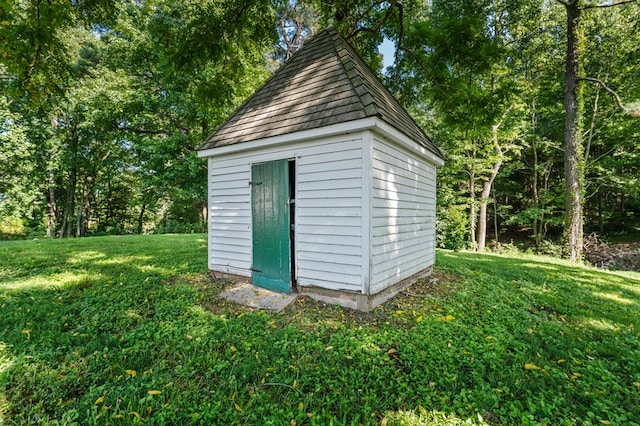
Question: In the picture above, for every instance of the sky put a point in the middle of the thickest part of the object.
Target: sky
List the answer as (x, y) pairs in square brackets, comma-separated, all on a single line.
[(387, 48)]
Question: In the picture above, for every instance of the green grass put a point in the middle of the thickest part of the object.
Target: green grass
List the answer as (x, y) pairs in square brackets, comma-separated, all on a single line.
[(126, 330)]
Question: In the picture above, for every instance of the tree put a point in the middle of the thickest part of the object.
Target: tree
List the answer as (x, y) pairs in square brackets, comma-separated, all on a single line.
[(536, 207), (457, 59), (120, 109), (297, 20), (610, 138), (33, 45), (573, 145), (17, 191), (104, 103)]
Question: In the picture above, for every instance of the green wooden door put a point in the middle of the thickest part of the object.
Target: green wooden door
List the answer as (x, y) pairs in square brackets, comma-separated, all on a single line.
[(270, 221)]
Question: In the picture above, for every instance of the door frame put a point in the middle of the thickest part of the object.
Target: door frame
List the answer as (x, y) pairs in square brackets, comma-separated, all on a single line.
[(274, 273)]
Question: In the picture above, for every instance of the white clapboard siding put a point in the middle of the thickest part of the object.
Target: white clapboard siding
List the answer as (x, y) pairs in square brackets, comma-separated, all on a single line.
[(229, 218), (403, 215), (329, 218), (328, 211)]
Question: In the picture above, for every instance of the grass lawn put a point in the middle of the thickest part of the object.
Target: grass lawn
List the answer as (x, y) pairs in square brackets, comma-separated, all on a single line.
[(126, 330)]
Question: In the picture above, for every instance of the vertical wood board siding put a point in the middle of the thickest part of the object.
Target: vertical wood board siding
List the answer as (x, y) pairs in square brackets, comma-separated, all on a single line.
[(403, 215)]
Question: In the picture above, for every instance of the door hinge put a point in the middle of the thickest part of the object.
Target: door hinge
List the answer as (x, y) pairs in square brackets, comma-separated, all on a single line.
[(254, 183)]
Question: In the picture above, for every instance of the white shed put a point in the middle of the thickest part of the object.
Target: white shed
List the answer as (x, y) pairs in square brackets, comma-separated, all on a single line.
[(322, 184)]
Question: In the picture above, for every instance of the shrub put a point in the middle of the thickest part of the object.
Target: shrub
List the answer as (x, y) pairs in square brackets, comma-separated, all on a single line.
[(11, 228), (451, 227)]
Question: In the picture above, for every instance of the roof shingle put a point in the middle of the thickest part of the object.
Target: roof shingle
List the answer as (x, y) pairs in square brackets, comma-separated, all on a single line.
[(324, 83)]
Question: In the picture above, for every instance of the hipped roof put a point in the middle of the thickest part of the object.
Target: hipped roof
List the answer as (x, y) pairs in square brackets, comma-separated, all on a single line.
[(325, 83)]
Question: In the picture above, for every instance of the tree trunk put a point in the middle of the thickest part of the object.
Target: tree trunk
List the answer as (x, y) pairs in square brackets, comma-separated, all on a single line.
[(484, 200), (205, 211), (86, 210), (51, 204), (482, 216), (542, 229), (534, 189), (141, 218), (495, 218), (534, 179), (488, 184), (79, 219), (573, 152), (69, 211), (472, 210), (70, 205)]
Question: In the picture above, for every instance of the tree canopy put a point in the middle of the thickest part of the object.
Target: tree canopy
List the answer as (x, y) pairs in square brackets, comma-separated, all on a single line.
[(104, 102)]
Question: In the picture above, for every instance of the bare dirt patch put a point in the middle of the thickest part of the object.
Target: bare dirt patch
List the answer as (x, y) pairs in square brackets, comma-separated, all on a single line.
[(439, 284), (306, 312)]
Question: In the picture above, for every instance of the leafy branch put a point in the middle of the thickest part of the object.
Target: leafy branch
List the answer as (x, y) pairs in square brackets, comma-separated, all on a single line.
[(603, 6), (634, 112), (569, 3), (394, 5)]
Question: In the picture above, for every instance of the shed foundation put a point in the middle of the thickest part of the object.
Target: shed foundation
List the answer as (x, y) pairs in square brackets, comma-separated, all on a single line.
[(358, 301)]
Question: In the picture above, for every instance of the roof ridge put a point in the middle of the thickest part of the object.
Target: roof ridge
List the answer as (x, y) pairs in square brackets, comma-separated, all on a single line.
[(341, 47), (382, 89)]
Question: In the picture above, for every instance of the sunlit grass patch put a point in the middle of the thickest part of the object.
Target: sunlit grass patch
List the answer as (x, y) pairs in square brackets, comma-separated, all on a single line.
[(599, 324), (6, 364), (85, 256), (5, 359), (615, 297), (44, 281), (3, 408), (630, 289), (125, 260), (429, 418)]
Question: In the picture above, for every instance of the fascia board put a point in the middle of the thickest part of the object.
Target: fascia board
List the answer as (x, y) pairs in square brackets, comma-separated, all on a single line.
[(317, 133), (403, 140)]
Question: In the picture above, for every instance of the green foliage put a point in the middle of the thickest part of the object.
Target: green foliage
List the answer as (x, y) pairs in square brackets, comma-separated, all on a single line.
[(11, 227), (117, 330), (119, 110), (459, 60), (33, 42), (16, 173), (104, 103), (612, 163), (452, 227)]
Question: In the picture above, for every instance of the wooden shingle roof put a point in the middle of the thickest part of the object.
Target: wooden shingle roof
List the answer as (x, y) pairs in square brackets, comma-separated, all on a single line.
[(324, 83)]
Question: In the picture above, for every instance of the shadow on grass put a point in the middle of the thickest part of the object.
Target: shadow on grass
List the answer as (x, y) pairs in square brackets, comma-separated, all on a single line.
[(568, 289), (113, 330), (580, 317)]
